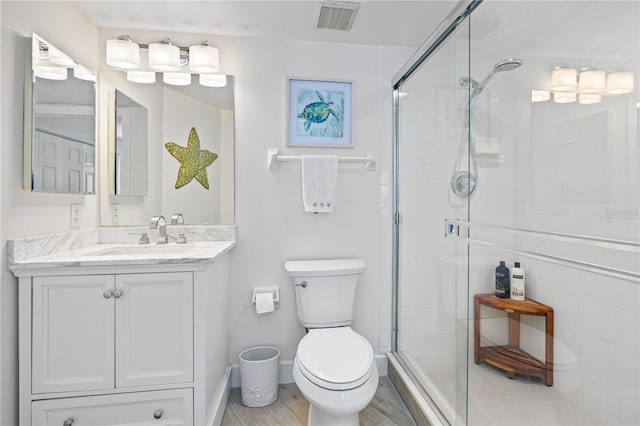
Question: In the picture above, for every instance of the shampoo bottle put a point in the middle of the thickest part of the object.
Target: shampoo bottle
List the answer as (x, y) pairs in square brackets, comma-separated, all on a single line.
[(503, 289), (517, 282)]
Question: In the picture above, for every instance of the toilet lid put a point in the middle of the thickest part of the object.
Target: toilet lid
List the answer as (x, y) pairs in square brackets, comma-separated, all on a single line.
[(335, 358)]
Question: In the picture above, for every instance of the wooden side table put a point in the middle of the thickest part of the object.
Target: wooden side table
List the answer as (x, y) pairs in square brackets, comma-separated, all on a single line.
[(511, 358)]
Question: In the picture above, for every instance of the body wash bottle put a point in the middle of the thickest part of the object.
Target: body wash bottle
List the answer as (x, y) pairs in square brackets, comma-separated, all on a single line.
[(517, 282)]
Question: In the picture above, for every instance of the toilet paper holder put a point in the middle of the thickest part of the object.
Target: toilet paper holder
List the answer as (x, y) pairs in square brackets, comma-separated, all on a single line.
[(275, 291)]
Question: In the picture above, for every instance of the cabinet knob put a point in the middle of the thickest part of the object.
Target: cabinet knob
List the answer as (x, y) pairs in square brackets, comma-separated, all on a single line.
[(117, 294), (158, 414), (107, 294), (68, 422)]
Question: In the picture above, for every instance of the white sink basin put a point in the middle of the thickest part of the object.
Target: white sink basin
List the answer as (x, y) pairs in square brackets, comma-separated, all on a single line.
[(149, 249)]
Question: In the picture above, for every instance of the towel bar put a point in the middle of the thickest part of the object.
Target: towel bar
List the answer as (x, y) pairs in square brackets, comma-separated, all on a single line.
[(274, 158)]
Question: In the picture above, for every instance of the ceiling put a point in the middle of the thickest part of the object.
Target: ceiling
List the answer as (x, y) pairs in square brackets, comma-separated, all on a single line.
[(391, 23)]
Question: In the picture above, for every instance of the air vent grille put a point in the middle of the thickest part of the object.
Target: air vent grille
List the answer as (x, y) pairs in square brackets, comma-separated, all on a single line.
[(336, 15)]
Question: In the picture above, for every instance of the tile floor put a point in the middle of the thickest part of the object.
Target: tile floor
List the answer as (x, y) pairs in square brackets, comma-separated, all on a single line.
[(290, 409), (495, 400)]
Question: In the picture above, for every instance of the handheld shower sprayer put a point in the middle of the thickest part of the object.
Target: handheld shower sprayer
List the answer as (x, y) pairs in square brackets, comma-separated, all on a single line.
[(463, 182)]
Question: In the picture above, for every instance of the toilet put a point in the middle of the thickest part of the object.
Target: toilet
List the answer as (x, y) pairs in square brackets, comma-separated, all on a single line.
[(334, 366)]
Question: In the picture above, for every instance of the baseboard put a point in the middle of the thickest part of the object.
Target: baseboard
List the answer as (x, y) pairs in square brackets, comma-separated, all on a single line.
[(220, 400), (286, 371)]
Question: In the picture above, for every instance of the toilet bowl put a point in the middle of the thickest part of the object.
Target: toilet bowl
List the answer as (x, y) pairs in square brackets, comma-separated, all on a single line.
[(334, 366), (335, 370)]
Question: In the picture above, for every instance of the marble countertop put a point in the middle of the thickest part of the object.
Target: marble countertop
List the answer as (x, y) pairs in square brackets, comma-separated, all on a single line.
[(130, 254), (90, 248)]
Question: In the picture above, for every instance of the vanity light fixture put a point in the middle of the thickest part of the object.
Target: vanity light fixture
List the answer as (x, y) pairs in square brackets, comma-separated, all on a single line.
[(59, 58), (592, 81), (82, 73), (564, 97), (176, 62), (50, 72), (589, 98), (164, 56), (204, 58), (213, 80), (540, 95), (123, 53), (564, 79), (177, 78), (587, 88), (619, 82), (144, 77)]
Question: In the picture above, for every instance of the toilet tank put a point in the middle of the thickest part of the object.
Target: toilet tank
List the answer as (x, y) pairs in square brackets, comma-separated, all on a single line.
[(328, 296)]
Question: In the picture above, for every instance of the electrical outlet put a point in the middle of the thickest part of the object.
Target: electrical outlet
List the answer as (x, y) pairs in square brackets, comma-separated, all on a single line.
[(115, 214), (75, 216)]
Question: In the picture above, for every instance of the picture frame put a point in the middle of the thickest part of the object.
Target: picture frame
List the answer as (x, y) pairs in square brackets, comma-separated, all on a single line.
[(319, 113)]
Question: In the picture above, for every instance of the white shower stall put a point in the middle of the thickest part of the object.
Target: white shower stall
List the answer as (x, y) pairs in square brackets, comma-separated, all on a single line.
[(496, 160)]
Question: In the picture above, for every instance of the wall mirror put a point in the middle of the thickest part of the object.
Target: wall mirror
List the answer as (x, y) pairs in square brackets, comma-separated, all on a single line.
[(130, 156), (171, 113), (59, 134)]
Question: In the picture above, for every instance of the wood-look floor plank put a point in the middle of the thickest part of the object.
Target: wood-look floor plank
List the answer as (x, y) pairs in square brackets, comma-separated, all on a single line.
[(291, 409), (271, 415), (230, 417), (293, 403)]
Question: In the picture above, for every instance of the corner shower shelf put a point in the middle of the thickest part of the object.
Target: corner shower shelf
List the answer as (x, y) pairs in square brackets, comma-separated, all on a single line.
[(511, 358)]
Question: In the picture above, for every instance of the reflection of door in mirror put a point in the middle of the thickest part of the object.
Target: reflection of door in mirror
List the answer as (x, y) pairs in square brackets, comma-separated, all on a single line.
[(62, 116), (130, 147)]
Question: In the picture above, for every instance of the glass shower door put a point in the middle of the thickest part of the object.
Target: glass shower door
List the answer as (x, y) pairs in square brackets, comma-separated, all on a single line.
[(432, 327), (495, 161)]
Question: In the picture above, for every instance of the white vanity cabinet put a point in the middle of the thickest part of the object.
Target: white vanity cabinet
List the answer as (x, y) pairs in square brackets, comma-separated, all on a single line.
[(124, 344), (104, 331)]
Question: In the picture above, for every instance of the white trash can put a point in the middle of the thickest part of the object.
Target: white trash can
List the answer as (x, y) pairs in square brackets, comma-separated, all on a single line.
[(259, 375)]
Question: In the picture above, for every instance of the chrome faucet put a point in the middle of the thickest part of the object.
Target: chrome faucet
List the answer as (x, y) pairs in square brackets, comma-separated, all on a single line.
[(177, 219), (160, 223)]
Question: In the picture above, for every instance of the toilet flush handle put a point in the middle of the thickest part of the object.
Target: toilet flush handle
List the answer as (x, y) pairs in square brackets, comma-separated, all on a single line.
[(303, 284)]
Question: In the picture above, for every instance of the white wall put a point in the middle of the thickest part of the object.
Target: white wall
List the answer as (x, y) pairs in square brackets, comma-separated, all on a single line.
[(272, 226), (24, 213)]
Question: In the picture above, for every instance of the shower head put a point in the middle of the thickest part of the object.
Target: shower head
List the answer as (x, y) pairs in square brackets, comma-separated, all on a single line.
[(504, 65), (507, 65)]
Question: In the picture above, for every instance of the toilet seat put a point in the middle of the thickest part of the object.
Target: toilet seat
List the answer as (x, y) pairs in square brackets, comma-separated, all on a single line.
[(335, 358)]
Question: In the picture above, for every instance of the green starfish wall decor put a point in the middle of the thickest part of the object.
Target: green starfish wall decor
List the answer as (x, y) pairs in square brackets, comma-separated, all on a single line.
[(193, 160)]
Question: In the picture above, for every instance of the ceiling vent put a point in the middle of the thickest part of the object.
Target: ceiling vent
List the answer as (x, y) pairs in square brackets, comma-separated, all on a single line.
[(336, 15)]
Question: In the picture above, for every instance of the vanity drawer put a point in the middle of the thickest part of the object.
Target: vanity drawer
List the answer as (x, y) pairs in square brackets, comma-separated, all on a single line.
[(168, 407)]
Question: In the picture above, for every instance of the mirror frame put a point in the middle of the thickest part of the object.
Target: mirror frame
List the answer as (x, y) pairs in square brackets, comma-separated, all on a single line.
[(28, 179), (113, 148)]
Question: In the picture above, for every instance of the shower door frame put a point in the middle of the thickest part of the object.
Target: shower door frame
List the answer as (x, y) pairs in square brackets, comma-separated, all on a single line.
[(460, 12)]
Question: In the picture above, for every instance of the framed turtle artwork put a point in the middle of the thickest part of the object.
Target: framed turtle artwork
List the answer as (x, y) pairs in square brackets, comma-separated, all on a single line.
[(319, 113)]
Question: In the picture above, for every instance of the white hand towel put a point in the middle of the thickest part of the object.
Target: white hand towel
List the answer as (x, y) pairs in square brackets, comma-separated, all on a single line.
[(319, 182)]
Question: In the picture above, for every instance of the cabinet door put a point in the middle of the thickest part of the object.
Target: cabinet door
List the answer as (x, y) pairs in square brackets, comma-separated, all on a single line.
[(154, 329), (73, 333), (169, 407)]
